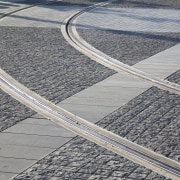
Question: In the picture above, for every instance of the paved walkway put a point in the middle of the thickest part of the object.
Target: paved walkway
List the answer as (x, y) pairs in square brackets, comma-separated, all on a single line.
[(25, 143)]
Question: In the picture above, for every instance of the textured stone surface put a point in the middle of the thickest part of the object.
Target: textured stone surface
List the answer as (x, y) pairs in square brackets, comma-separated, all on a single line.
[(81, 159), (43, 61), (150, 119), (129, 47), (11, 111)]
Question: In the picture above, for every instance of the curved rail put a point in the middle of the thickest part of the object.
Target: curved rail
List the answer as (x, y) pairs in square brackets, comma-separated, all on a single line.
[(70, 33), (90, 131), (27, 7)]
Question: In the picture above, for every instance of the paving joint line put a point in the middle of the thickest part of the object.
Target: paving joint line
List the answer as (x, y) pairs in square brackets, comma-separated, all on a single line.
[(69, 31)]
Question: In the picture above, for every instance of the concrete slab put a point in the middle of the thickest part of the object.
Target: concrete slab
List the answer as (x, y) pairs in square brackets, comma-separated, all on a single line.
[(162, 64), (26, 152), (14, 165), (43, 121), (108, 97), (90, 113), (105, 97), (4, 175), (40, 16), (34, 137), (32, 140), (40, 130), (131, 19), (123, 80)]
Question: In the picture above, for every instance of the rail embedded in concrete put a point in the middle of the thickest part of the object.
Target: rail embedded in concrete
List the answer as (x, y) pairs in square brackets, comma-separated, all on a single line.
[(70, 33), (92, 132)]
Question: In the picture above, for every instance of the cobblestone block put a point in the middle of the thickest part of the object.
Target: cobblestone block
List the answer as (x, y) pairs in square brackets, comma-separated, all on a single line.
[(155, 125), (129, 47), (43, 61)]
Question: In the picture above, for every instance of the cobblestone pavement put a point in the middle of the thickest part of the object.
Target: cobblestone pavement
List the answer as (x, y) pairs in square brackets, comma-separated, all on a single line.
[(141, 40), (152, 122), (129, 47), (43, 61), (81, 159)]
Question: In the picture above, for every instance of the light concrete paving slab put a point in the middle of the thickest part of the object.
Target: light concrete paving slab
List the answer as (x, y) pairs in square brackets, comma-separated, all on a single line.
[(10, 5), (90, 113), (99, 100), (40, 130), (14, 165), (123, 81), (109, 97), (4, 175), (162, 64), (26, 152), (40, 16), (34, 137), (32, 140), (131, 19), (43, 122)]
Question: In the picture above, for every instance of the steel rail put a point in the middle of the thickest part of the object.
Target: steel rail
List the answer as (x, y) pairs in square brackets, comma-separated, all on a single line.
[(158, 163), (71, 35), (26, 7), (90, 131)]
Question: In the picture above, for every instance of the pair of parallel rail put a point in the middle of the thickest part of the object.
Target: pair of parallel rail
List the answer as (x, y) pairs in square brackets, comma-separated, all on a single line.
[(90, 131)]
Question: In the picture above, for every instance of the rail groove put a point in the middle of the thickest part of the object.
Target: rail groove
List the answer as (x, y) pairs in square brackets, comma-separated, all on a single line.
[(90, 131), (27, 7), (70, 33)]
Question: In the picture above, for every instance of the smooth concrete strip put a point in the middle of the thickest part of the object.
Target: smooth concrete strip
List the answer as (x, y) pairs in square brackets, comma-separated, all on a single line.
[(40, 130), (26, 152), (131, 19), (40, 16), (40, 121), (23, 144), (14, 165), (162, 64), (93, 104), (103, 98), (37, 133), (32, 140), (4, 175)]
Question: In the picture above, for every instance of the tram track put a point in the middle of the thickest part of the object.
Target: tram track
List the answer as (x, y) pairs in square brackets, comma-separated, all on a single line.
[(70, 33), (26, 7), (90, 131)]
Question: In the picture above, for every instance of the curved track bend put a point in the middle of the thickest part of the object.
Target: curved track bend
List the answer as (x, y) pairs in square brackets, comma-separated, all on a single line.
[(70, 33), (92, 132), (27, 7)]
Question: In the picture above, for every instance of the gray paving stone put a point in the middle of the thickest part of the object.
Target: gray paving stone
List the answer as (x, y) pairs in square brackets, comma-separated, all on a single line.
[(4, 175), (39, 121), (89, 112), (69, 161), (64, 74), (160, 129), (35, 129), (14, 165), (131, 19), (32, 140), (26, 152), (129, 47)]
